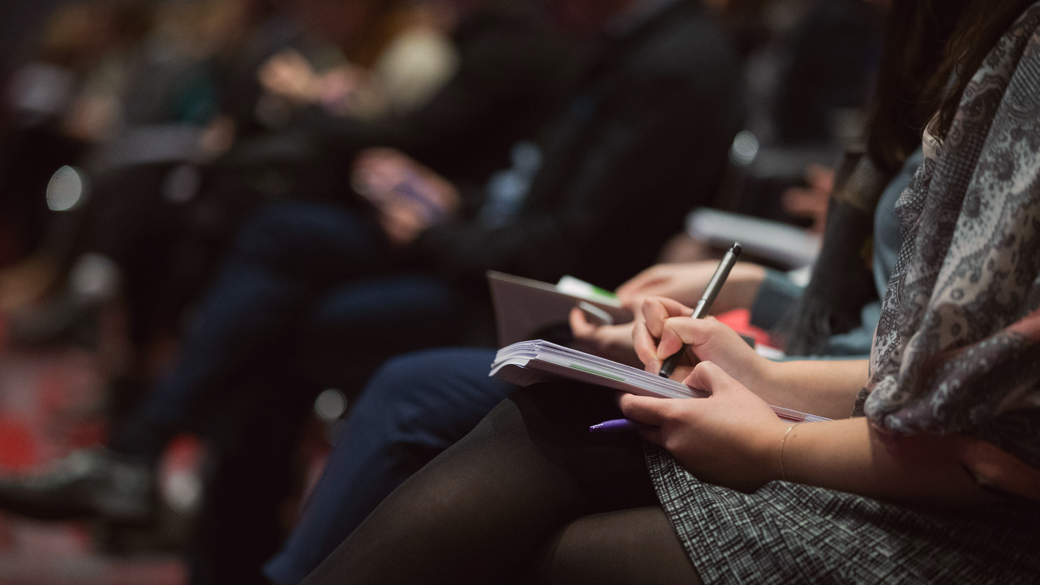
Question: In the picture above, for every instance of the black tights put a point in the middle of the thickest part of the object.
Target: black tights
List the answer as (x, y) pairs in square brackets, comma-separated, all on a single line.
[(529, 496)]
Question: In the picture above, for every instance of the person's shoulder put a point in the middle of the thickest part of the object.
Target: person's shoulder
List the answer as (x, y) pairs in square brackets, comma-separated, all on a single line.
[(510, 27), (520, 18), (683, 40), (512, 38)]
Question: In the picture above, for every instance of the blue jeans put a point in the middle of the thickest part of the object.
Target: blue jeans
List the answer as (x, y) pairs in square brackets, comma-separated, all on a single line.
[(413, 408)]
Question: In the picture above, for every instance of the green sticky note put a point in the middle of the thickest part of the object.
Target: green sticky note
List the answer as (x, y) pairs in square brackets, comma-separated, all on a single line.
[(596, 372)]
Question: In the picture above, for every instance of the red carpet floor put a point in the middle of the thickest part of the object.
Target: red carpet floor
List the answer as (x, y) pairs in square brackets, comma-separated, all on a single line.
[(51, 402)]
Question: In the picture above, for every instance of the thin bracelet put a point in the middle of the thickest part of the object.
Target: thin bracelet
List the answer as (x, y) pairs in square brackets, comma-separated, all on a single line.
[(783, 475)]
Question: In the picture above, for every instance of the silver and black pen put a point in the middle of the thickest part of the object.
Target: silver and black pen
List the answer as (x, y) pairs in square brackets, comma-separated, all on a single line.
[(701, 310)]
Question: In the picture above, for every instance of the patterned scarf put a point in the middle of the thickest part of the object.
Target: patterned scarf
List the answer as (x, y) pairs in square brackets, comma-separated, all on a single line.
[(956, 351)]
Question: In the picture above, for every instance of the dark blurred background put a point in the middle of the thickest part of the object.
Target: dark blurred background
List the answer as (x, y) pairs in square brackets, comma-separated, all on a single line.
[(19, 19)]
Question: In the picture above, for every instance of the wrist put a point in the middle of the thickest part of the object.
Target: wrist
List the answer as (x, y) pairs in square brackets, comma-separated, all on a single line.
[(765, 378), (773, 442)]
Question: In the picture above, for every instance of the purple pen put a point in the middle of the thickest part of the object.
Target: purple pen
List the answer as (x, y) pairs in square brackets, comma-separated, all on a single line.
[(618, 425)]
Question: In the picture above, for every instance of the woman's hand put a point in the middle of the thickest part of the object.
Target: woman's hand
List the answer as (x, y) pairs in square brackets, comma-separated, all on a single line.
[(666, 326), (290, 76), (732, 438), (685, 283), (613, 342)]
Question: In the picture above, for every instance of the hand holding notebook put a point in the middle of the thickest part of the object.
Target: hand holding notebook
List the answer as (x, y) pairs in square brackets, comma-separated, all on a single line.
[(531, 362), (525, 307)]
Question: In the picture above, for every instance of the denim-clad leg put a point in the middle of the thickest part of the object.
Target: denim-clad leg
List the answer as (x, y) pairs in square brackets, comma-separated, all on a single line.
[(413, 408), (283, 259)]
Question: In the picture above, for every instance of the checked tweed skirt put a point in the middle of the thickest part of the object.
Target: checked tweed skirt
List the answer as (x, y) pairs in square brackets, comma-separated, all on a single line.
[(792, 533)]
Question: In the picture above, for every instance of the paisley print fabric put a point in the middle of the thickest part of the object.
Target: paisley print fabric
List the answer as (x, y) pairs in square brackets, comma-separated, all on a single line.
[(956, 350)]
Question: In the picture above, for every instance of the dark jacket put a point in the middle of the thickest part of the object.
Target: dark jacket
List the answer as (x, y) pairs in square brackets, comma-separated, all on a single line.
[(833, 55), (513, 74), (644, 140)]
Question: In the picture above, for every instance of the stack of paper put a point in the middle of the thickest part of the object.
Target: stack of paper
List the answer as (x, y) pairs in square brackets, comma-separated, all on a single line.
[(531, 362)]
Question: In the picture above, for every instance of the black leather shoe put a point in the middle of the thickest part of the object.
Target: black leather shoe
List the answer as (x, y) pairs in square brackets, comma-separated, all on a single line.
[(87, 483)]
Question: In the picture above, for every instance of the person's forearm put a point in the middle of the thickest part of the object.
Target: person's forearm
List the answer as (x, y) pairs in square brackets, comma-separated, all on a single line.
[(824, 388), (850, 456)]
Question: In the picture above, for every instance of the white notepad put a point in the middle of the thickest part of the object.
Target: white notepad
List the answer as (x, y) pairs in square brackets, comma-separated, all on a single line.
[(531, 362)]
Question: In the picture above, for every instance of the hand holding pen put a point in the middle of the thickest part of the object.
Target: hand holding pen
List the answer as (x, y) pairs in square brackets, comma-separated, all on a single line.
[(704, 304), (657, 344)]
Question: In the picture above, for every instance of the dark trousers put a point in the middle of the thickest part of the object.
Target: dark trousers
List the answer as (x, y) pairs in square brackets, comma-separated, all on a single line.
[(287, 261), (414, 407), (298, 271)]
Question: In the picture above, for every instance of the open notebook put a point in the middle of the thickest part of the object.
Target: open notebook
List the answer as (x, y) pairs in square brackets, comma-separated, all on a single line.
[(530, 362)]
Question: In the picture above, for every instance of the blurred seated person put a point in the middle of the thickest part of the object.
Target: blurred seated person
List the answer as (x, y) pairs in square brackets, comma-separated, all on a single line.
[(407, 72), (512, 72), (808, 78), (814, 69), (807, 84), (642, 139)]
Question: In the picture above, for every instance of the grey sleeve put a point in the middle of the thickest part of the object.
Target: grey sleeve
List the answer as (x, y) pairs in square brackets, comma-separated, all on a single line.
[(775, 296)]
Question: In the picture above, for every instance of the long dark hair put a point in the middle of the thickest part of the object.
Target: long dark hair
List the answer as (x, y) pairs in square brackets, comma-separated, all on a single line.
[(929, 43), (978, 31)]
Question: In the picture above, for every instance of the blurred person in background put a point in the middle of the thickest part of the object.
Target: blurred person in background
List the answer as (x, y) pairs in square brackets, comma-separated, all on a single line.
[(808, 79), (166, 199), (651, 121), (817, 66), (511, 70), (417, 59)]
